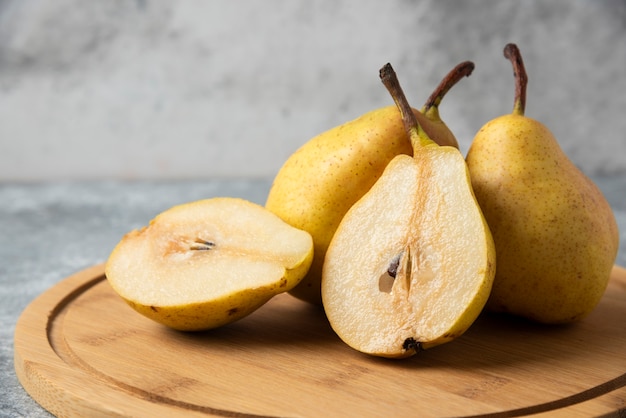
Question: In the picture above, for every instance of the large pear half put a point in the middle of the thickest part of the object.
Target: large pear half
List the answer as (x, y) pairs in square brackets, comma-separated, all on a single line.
[(207, 263), (412, 262)]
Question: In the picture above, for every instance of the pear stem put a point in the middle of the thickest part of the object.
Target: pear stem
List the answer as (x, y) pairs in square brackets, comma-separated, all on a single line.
[(512, 53), (463, 69), (417, 135)]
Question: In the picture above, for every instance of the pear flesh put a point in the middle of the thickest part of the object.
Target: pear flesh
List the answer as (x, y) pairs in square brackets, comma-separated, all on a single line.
[(204, 264)]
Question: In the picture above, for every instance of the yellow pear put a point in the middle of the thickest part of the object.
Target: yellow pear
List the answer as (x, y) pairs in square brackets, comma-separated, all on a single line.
[(412, 262), (319, 183), (555, 234), (207, 263)]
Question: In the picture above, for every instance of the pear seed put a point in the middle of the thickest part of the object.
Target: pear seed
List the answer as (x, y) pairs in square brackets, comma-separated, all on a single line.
[(393, 266), (385, 282), (202, 245)]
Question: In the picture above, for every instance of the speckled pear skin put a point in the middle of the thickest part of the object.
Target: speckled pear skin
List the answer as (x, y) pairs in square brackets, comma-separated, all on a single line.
[(555, 234)]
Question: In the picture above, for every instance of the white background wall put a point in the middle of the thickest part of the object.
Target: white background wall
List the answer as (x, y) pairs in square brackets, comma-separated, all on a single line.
[(192, 89)]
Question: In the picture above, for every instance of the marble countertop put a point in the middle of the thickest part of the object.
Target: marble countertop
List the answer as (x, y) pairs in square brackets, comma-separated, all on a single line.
[(52, 230)]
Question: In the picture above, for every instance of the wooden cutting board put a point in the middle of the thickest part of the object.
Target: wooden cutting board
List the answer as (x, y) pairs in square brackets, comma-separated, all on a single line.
[(80, 351)]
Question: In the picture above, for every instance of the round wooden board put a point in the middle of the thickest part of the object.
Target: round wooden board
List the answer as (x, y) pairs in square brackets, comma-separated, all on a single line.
[(81, 351)]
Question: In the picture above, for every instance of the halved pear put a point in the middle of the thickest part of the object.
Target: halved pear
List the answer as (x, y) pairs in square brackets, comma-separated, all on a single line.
[(412, 262), (207, 263)]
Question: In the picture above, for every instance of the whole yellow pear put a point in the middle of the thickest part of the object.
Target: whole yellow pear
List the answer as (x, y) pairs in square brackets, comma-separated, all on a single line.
[(555, 234), (319, 182)]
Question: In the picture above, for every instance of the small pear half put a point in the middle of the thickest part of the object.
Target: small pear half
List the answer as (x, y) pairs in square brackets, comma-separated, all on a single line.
[(207, 263), (412, 262)]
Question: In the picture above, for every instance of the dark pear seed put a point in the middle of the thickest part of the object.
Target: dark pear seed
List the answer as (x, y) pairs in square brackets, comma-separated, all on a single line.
[(202, 245), (392, 270), (386, 280)]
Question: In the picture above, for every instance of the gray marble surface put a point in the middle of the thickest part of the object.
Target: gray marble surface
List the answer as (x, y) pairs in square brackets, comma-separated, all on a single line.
[(163, 89), (52, 230)]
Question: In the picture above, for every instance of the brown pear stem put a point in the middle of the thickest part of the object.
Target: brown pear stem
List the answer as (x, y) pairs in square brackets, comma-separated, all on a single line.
[(390, 80), (463, 69), (512, 53)]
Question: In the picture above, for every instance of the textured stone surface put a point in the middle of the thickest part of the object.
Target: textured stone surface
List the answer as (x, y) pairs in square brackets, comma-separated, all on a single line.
[(50, 231), (158, 89)]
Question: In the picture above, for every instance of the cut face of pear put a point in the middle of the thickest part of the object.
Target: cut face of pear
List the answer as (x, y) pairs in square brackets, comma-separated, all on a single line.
[(207, 263), (412, 263)]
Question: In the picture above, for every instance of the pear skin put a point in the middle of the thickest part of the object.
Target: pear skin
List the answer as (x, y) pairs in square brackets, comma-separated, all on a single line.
[(319, 182), (555, 234)]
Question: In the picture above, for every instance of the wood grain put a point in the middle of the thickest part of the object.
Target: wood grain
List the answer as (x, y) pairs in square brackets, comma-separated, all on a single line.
[(80, 351)]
